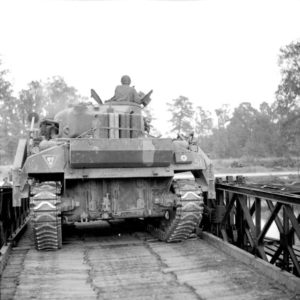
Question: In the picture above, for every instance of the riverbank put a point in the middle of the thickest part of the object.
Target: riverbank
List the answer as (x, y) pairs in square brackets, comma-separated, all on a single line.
[(275, 177)]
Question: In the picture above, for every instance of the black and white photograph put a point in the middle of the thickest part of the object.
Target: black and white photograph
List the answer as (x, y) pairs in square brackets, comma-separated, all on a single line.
[(149, 149)]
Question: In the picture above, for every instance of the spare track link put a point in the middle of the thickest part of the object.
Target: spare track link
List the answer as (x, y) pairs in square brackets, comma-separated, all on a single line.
[(46, 215), (187, 216)]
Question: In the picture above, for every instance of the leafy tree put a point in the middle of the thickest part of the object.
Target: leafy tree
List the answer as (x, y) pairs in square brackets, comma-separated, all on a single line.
[(241, 127), (203, 122), (47, 98), (263, 139), (269, 130), (9, 125), (58, 95), (267, 110), (287, 105), (288, 92), (7, 102), (220, 144), (31, 100), (249, 132), (182, 115), (223, 115), (149, 115), (253, 132), (44, 98)]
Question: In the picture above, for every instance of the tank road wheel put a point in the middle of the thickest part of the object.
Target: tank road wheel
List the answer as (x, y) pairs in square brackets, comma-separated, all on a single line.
[(46, 216), (181, 221)]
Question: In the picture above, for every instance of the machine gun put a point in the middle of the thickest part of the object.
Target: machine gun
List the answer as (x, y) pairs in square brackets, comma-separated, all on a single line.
[(146, 99), (96, 97)]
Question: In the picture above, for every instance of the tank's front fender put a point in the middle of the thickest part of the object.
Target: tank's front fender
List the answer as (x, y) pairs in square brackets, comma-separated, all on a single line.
[(51, 160)]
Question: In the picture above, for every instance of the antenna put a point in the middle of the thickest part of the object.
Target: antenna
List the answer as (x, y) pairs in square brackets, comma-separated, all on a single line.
[(33, 118)]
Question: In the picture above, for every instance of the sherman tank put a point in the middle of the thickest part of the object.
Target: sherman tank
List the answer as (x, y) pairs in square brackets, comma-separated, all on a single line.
[(97, 162)]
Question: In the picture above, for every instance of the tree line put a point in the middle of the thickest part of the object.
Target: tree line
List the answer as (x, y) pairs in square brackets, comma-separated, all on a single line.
[(45, 98), (271, 130)]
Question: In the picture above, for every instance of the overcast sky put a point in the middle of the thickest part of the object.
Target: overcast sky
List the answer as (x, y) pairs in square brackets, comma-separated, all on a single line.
[(211, 51)]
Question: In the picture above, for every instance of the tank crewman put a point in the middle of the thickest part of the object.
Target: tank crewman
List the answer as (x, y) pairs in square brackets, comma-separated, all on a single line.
[(125, 92)]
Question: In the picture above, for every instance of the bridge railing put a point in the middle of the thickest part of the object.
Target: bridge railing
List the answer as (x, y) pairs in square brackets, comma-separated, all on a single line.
[(11, 218), (243, 214)]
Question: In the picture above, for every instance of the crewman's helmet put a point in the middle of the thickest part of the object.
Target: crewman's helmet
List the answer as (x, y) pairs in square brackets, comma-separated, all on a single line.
[(125, 79)]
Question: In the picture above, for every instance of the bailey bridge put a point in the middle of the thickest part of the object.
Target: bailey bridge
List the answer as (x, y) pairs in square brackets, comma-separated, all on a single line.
[(231, 257)]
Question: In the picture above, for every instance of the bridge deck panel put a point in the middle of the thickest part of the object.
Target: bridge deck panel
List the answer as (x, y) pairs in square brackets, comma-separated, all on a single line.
[(131, 266)]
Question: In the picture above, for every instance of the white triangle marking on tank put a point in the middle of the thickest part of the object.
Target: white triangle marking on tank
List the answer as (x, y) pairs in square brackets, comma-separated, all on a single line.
[(50, 160)]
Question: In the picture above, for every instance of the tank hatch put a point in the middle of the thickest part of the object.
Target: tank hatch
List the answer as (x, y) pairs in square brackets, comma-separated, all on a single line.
[(118, 153)]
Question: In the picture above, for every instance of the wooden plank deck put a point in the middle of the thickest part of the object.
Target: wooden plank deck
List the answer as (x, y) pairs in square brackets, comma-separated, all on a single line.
[(104, 263)]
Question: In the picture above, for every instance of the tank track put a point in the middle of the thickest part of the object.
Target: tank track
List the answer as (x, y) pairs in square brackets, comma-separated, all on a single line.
[(46, 215), (185, 218)]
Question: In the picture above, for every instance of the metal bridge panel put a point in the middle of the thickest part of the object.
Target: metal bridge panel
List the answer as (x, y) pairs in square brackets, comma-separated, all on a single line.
[(243, 204)]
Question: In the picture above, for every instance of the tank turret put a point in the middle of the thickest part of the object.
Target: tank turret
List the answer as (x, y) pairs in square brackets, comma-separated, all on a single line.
[(82, 119)]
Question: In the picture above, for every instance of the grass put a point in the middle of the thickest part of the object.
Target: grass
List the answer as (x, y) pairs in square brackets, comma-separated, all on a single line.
[(255, 165)]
